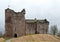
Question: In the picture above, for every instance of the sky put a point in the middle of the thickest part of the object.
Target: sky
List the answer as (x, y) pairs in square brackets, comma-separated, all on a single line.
[(40, 9)]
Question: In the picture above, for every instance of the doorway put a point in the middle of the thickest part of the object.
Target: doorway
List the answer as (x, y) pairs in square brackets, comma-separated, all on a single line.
[(15, 35)]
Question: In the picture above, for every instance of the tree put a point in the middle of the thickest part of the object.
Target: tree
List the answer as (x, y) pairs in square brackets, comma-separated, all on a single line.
[(0, 34), (58, 34), (54, 30)]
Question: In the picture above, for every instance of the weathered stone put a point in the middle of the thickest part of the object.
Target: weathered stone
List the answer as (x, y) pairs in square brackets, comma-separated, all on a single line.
[(17, 25)]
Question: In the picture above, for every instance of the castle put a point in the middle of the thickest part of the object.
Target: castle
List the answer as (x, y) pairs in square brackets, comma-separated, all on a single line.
[(16, 25)]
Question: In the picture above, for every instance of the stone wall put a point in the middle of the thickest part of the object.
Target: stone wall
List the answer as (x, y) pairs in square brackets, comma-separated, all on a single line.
[(14, 23), (17, 25), (38, 26)]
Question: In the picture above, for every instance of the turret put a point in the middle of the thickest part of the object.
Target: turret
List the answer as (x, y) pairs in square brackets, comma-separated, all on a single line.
[(23, 11)]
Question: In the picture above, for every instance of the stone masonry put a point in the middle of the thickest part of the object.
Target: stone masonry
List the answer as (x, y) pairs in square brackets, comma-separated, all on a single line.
[(17, 25)]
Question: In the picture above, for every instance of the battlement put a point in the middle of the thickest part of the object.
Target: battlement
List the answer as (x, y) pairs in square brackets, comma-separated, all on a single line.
[(12, 11), (37, 20)]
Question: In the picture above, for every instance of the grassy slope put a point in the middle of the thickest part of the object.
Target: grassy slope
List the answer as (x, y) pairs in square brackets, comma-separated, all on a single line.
[(2, 39), (37, 38)]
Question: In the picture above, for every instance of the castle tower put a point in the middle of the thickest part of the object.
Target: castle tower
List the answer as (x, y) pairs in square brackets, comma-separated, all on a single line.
[(14, 23)]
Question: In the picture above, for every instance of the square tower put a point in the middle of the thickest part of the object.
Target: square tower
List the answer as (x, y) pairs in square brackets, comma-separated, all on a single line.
[(14, 23)]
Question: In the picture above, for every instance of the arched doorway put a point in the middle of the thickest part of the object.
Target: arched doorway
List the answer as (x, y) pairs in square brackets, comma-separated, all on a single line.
[(15, 35)]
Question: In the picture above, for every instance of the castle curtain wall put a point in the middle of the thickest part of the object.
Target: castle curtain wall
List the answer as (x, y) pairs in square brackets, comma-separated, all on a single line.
[(42, 27), (30, 28), (38, 27)]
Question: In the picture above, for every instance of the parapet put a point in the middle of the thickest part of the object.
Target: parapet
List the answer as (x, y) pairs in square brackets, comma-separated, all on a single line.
[(9, 10), (23, 11), (12, 11), (37, 20)]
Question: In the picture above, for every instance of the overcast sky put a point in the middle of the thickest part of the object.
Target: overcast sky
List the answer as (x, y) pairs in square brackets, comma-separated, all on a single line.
[(40, 9)]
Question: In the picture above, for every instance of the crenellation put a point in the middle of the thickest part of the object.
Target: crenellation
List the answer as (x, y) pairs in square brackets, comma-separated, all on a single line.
[(23, 11)]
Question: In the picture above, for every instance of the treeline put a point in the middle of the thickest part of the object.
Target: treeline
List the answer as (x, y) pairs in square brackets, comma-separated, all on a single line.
[(54, 30)]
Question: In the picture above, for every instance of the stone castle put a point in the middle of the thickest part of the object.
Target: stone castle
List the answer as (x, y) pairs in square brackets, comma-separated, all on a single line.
[(16, 25)]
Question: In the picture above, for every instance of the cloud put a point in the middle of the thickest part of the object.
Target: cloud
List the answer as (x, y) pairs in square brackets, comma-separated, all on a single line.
[(40, 9)]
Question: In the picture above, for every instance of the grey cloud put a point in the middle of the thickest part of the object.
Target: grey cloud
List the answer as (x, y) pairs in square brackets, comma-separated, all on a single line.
[(50, 10)]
